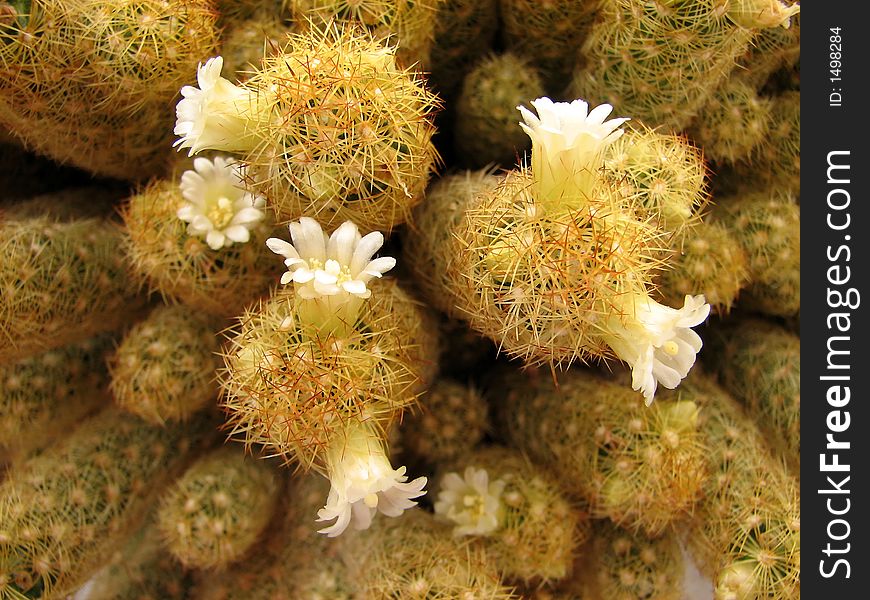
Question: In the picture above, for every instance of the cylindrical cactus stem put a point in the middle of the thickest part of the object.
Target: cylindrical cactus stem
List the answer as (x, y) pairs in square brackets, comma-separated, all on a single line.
[(410, 24), (232, 12), (772, 49), (45, 396), (330, 125), (65, 511), (62, 281), (767, 226), (464, 31), (660, 61), (294, 392), (664, 176), (165, 367), (452, 420), (100, 102), (486, 112), (215, 513), (141, 570), (550, 33), (180, 264), (514, 509), (642, 466), (626, 566), (707, 260), (745, 532), (417, 557), (760, 364), (428, 245), (735, 122)]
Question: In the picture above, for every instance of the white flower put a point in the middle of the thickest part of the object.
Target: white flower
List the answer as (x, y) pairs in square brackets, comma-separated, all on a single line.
[(567, 144), (656, 340), (364, 482), (218, 115), (473, 503), (218, 207), (331, 272)]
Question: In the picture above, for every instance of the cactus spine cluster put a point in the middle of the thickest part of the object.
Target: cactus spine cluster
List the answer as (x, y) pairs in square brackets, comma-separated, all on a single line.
[(464, 31), (759, 363), (100, 103), (537, 531), (165, 367), (65, 511), (215, 513), (293, 390), (62, 281), (640, 466), (486, 115), (47, 395)]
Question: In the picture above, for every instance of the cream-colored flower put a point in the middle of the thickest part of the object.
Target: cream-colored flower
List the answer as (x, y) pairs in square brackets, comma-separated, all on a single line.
[(656, 340), (472, 502), (331, 273), (567, 145), (218, 115), (217, 205), (363, 482)]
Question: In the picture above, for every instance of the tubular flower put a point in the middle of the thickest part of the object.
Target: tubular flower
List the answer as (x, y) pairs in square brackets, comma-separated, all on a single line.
[(364, 482), (330, 274), (472, 502), (218, 115), (217, 205), (656, 340), (567, 145)]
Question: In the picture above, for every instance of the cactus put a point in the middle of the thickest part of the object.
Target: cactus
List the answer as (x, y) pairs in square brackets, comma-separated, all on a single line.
[(660, 61), (215, 513), (759, 363), (410, 22), (360, 147), (164, 368), (183, 268), (91, 80), (464, 31), (247, 41), (745, 533), (428, 247), (664, 176), (735, 122), (43, 397), (515, 510), (771, 50), (707, 259), (628, 566), (453, 420), (65, 511), (293, 391), (416, 557), (550, 33), (767, 226), (641, 466), (61, 282), (486, 120)]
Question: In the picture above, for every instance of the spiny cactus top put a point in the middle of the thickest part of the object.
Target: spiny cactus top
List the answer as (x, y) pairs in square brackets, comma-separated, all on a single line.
[(218, 206)]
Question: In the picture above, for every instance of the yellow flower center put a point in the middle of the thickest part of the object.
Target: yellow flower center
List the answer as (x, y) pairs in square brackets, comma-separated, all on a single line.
[(670, 347), (220, 212)]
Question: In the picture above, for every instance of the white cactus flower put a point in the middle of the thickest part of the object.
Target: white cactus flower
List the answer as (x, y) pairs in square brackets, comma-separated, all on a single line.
[(218, 115), (472, 502), (331, 273), (217, 205), (567, 145), (656, 340), (363, 482)]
